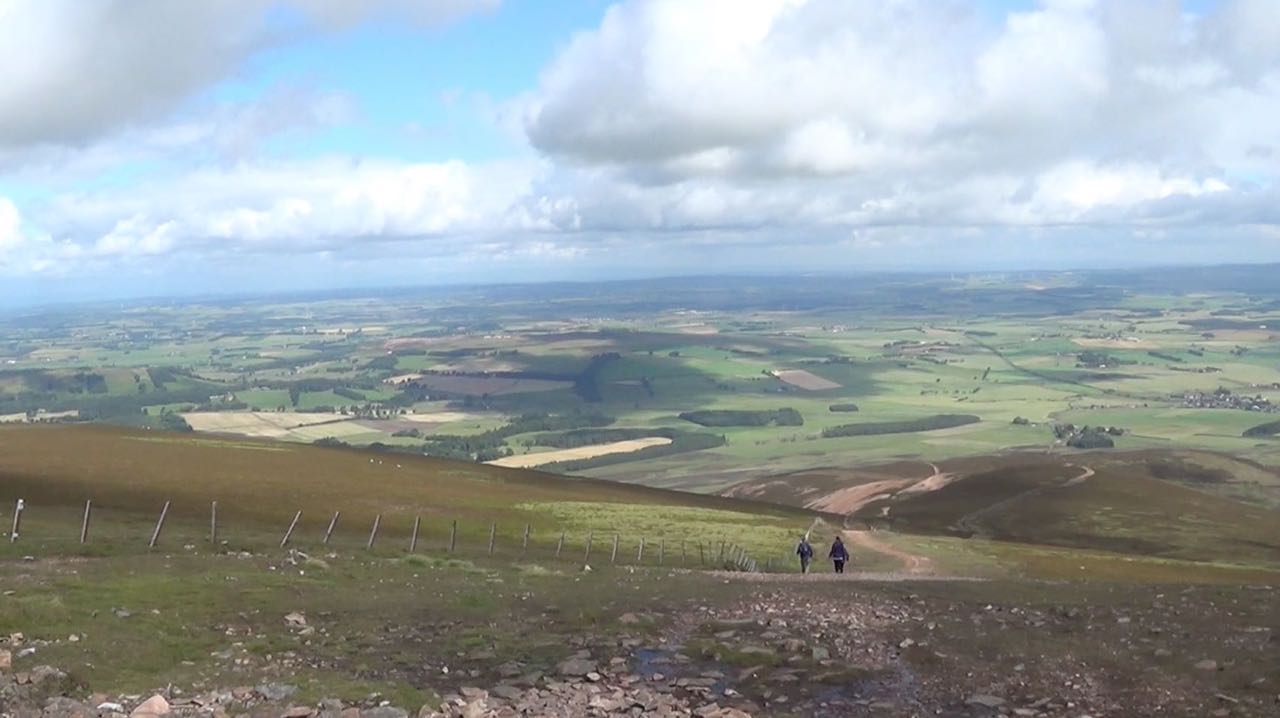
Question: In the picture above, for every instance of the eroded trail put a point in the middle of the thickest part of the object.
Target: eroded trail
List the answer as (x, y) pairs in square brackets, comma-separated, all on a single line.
[(913, 564)]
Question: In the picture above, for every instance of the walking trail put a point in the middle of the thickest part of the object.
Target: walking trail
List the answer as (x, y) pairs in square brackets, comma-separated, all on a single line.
[(913, 564)]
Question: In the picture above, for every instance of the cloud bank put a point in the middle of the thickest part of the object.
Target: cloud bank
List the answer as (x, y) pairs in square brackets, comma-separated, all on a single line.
[(862, 131)]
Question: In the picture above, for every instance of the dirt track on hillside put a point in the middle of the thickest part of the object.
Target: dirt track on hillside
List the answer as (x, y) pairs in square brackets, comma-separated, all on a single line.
[(913, 564)]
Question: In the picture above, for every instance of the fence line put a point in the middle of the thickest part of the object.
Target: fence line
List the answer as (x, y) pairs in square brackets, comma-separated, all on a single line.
[(729, 555)]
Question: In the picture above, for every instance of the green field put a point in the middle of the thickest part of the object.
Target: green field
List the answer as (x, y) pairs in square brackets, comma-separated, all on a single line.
[(1100, 349)]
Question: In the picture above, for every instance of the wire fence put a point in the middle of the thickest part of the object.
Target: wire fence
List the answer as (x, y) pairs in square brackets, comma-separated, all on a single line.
[(104, 531)]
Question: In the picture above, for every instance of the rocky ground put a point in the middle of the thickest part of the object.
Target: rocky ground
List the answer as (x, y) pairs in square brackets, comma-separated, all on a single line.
[(786, 648)]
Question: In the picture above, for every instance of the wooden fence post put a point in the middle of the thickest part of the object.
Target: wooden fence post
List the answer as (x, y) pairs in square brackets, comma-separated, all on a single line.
[(453, 536), (155, 535), (333, 524), (289, 533), (560, 544), (702, 556), (613, 555), (684, 556), (586, 557), (524, 543), (17, 521), (213, 523), (413, 541), (640, 552), (84, 524), (373, 535), (720, 557), (662, 551), (493, 530)]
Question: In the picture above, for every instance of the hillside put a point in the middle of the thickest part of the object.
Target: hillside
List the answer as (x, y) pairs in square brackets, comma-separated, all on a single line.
[(1176, 505), (259, 485), (254, 628)]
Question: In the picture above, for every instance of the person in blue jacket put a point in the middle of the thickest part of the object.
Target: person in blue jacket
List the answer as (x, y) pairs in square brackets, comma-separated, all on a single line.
[(805, 552), (839, 554)]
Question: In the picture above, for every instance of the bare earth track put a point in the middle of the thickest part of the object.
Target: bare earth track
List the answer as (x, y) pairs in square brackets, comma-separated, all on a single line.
[(914, 564)]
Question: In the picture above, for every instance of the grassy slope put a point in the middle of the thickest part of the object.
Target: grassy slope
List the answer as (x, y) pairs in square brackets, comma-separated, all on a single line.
[(1124, 508), (259, 485), (1173, 513)]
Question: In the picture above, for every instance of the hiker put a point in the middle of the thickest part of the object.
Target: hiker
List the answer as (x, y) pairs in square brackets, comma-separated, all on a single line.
[(839, 554), (805, 552)]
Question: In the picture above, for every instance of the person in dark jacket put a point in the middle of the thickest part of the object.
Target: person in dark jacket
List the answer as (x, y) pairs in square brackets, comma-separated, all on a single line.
[(805, 552), (839, 554)]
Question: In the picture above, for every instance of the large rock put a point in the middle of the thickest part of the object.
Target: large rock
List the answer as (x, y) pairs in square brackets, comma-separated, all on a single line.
[(6, 660), (980, 700), (63, 707), (576, 667), (276, 692), (384, 712), (153, 707)]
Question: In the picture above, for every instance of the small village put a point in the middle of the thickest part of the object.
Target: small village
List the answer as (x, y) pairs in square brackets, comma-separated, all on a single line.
[(1224, 399)]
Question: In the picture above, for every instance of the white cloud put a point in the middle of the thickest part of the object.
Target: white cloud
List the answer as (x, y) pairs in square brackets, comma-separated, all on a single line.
[(914, 112), (10, 227), (74, 71), (300, 207), (675, 127)]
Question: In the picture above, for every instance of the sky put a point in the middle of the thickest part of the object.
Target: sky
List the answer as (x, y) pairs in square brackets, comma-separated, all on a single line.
[(159, 148)]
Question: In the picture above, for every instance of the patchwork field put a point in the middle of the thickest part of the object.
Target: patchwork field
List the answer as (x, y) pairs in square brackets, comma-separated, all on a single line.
[(742, 375)]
